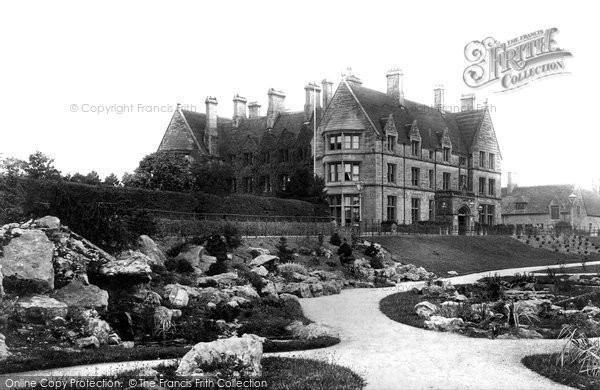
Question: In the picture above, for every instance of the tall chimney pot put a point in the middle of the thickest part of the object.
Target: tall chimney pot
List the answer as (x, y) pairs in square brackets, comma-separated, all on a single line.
[(313, 98), (239, 109), (327, 92), (276, 106), (210, 131), (253, 110), (395, 87), (438, 97), (467, 102)]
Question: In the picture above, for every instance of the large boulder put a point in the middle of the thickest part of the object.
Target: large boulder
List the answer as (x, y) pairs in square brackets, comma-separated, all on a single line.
[(148, 247), (260, 271), (99, 329), (310, 331), (301, 290), (28, 260), (246, 291), (179, 296), (78, 295), (4, 352), (331, 287), (48, 222), (245, 352), (88, 342), (255, 252), (444, 324), (39, 308), (535, 306), (132, 263), (264, 260), (226, 279), (316, 289), (269, 290), (425, 309), (192, 254)]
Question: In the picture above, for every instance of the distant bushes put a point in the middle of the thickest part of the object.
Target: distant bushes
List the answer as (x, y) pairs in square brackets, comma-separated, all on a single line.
[(113, 217)]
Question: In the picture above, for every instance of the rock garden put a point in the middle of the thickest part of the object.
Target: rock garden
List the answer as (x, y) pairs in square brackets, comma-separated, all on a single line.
[(520, 306), (66, 301)]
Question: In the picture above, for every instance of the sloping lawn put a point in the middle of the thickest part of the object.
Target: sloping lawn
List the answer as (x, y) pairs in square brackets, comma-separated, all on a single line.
[(469, 254), (568, 375)]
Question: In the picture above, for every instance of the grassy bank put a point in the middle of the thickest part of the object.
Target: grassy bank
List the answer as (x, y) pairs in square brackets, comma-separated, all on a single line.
[(469, 254)]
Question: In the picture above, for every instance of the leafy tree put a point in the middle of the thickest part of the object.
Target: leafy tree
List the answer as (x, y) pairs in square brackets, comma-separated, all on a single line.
[(111, 180), (12, 167), (212, 178), (162, 171), (303, 185), (41, 167), (91, 178)]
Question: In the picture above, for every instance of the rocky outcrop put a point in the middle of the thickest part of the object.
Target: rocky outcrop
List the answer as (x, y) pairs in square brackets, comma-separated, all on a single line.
[(425, 309), (197, 257), (255, 252), (39, 308), (133, 264), (245, 351), (88, 342), (444, 324), (245, 291), (48, 222), (301, 290), (4, 352), (148, 247), (264, 260), (99, 329), (27, 261), (310, 331), (78, 295), (179, 297)]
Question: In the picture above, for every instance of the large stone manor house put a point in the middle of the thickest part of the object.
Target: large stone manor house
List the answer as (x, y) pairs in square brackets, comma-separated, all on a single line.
[(383, 157)]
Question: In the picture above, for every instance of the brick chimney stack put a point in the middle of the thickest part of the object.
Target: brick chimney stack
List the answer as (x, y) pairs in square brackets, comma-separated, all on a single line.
[(438, 97), (276, 106), (351, 79), (395, 87), (313, 97), (467, 102), (239, 109), (253, 110), (210, 138), (327, 92)]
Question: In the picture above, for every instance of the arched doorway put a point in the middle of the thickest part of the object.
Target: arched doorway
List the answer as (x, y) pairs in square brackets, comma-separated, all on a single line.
[(464, 213)]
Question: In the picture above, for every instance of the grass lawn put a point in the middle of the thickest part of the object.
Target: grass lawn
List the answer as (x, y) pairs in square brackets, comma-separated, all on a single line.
[(469, 254), (46, 359), (400, 307), (567, 375)]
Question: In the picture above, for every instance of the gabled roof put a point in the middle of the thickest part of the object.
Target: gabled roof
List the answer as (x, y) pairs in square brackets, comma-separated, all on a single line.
[(431, 122), (591, 201), (537, 199)]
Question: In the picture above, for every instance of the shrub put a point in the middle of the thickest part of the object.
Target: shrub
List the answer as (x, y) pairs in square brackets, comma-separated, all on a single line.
[(232, 236), (216, 246), (179, 265), (371, 250), (376, 262), (288, 269), (218, 267), (255, 280), (335, 239), (283, 252)]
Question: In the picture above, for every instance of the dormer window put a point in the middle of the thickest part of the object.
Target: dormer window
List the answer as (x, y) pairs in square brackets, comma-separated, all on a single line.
[(446, 153), (520, 206), (415, 147), (391, 143)]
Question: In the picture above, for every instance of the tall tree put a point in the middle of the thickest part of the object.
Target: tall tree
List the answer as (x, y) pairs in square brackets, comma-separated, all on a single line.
[(304, 185), (41, 167), (162, 171), (212, 178), (111, 180)]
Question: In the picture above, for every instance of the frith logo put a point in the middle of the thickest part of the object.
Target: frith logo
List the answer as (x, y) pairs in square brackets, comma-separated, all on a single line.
[(515, 63)]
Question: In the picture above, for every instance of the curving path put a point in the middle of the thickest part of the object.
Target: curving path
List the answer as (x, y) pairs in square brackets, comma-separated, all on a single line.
[(391, 355)]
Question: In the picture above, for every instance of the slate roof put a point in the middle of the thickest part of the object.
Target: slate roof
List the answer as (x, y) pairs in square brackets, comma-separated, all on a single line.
[(431, 122), (591, 201), (536, 198)]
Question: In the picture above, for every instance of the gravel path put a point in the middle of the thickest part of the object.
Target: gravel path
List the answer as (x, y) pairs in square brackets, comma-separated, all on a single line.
[(391, 355)]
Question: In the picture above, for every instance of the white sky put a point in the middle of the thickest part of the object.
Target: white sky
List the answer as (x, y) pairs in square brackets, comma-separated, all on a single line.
[(59, 53)]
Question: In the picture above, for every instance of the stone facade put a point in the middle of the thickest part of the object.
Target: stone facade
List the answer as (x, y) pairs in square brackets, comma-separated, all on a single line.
[(546, 206), (411, 162)]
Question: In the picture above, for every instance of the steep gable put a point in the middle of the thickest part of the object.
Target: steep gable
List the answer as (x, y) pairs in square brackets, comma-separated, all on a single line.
[(179, 136), (344, 112), (485, 137)]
